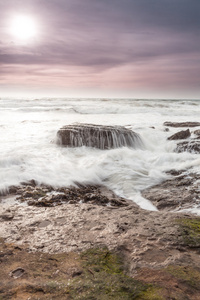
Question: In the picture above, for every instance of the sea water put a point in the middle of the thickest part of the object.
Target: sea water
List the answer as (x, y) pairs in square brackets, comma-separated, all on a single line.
[(28, 147)]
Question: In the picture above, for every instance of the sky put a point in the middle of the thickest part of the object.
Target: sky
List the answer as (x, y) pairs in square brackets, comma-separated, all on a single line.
[(102, 48)]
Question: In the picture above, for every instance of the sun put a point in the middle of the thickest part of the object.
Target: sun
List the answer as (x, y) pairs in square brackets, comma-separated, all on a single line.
[(23, 28)]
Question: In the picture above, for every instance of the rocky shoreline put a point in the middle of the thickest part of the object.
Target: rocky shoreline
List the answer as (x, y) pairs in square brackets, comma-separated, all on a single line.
[(85, 242), (152, 243)]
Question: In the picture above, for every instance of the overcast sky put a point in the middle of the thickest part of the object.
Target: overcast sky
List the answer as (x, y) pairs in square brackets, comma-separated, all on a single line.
[(102, 48)]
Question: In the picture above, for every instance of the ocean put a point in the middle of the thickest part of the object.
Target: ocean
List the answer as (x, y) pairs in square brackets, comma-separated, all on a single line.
[(29, 148)]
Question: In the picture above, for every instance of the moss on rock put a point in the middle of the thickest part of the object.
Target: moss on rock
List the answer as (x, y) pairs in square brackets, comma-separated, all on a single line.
[(103, 278), (190, 231), (186, 274)]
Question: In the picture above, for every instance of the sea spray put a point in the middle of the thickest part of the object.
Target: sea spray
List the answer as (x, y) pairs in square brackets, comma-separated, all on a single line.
[(28, 148)]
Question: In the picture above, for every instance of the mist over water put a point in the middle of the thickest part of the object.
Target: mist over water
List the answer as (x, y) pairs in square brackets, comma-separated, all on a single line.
[(28, 148)]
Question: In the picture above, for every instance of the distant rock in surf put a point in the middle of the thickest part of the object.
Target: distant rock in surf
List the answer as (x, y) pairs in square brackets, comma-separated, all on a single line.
[(197, 132), (192, 146), (182, 124), (181, 135), (98, 136)]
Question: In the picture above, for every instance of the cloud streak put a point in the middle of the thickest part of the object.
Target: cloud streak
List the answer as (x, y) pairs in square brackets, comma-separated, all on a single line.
[(154, 44)]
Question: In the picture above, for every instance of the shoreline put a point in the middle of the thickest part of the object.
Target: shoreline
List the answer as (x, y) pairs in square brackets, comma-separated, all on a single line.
[(149, 243)]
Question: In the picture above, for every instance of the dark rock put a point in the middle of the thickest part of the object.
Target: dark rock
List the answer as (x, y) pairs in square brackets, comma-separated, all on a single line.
[(175, 172), (46, 196), (12, 189), (98, 136), (181, 135), (192, 146), (182, 124)]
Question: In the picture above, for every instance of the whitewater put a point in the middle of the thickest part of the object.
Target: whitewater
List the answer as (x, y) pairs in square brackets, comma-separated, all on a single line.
[(29, 148)]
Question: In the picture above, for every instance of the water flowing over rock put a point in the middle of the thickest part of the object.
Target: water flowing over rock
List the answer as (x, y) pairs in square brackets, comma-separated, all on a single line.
[(98, 136), (192, 146)]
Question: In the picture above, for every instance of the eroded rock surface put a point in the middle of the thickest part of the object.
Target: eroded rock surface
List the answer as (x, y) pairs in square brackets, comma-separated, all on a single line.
[(158, 248), (179, 192), (98, 136), (47, 196)]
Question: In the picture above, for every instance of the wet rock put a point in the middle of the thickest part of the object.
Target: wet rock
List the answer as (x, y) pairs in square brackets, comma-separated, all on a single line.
[(181, 135), (182, 124), (13, 189), (192, 146), (197, 132), (98, 136), (179, 192), (46, 196)]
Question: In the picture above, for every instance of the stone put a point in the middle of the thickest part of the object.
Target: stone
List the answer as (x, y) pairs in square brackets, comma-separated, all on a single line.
[(43, 196), (98, 136), (181, 135), (197, 132), (182, 124), (192, 146), (179, 192), (17, 273)]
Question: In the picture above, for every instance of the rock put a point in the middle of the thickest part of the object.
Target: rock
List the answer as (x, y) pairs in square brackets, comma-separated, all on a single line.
[(46, 196), (177, 193), (7, 216), (17, 273), (98, 136), (192, 146), (197, 132), (182, 124), (181, 135)]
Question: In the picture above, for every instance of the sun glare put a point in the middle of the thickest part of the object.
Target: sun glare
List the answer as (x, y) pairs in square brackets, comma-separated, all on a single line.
[(23, 28)]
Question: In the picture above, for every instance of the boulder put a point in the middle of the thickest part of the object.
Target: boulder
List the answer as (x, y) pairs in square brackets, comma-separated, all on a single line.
[(182, 124), (181, 135), (98, 136)]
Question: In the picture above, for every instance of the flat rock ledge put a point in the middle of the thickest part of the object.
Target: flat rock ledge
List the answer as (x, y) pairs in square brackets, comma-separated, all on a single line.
[(98, 136), (181, 124), (179, 192)]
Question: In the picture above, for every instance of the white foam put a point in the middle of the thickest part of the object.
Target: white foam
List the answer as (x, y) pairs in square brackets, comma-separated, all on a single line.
[(28, 149)]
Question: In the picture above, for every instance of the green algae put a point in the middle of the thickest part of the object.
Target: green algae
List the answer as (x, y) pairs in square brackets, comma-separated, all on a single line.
[(152, 293), (103, 278), (186, 275), (190, 231)]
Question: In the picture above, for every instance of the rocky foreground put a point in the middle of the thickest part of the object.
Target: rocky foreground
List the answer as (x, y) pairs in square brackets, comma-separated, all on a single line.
[(87, 249), (88, 243)]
